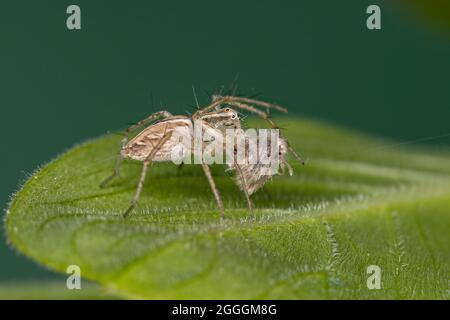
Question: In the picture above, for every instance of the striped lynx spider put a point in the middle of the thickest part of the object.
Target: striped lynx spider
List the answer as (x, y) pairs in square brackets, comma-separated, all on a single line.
[(155, 143)]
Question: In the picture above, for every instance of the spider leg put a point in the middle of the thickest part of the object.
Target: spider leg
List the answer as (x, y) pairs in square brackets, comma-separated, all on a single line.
[(116, 171), (266, 117), (160, 114), (147, 163), (244, 188), (212, 106), (214, 189), (255, 102), (217, 100)]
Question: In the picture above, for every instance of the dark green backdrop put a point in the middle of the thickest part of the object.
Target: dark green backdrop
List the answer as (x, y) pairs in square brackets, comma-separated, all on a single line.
[(59, 87)]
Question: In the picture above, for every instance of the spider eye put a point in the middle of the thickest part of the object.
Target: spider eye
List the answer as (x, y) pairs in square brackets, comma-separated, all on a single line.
[(227, 109), (233, 116)]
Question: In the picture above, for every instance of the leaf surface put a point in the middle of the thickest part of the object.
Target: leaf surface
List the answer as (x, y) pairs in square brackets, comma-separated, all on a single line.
[(357, 202)]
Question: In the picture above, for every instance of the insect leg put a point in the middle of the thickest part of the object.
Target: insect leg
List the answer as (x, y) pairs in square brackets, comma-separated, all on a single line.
[(266, 117), (244, 103), (214, 189), (147, 163)]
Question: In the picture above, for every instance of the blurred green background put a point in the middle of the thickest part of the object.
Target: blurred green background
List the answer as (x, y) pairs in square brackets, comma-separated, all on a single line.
[(60, 87)]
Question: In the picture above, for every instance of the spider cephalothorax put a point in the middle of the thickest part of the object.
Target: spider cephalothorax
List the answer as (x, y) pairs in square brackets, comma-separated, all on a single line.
[(222, 119)]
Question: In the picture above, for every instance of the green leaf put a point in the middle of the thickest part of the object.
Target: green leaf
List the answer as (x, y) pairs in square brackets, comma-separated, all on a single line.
[(356, 203), (51, 291)]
